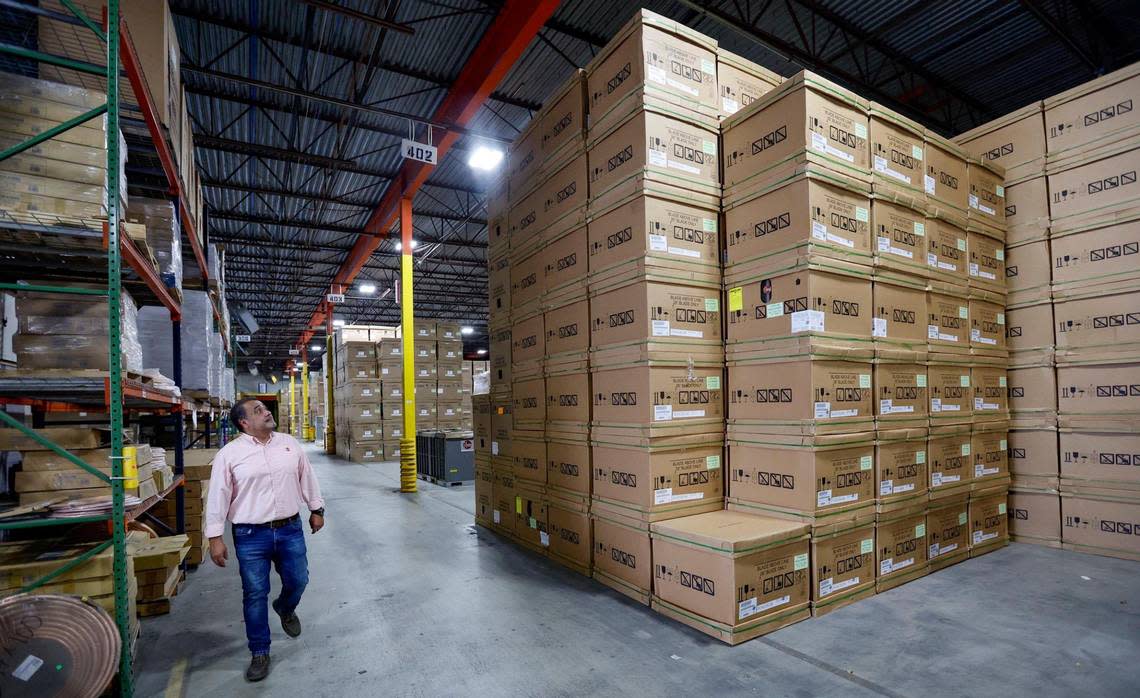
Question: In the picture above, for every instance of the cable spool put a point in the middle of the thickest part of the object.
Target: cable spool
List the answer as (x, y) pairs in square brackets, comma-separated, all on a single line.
[(53, 645)]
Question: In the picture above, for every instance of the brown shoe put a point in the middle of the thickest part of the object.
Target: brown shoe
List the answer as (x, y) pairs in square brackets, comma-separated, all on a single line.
[(291, 624), (258, 668)]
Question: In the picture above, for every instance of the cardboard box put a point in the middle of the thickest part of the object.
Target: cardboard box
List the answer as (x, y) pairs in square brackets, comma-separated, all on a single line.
[(529, 403), (665, 146), (901, 547), (823, 477), (499, 285), (502, 425), (652, 400), (568, 466), (653, 312), (1027, 272), (807, 118), (567, 330), (1029, 329), (946, 180), (531, 516), (1099, 390), (481, 405), (562, 122), (449, 352), (900, 465), (500, 342), (1035, 517), (524, 160), (484, 495), (987, 328), (949, 451), (948, 321), (946, 250), (568, 398), (991, 393), (393, 430), (990, 451), (899, 237), (528, 341), (1093, 187), (1101, 459), (350, 353), (948, 530), (843, 568), (951, 394), (815, 213), (897, 155), (659, 228), (366, 433), (565, 261), (361, 392), (742, 575), (361, 414), (622, 553), (1091, 114), (658, 482), (900, 395), (1097, 328), (1026, 209), (1096, 255), (1101, 524), (529, 452), (1032, 391), (741, 82), (563, 199), (801, 396), (1033, 457), (900, 308), (655, 56), (1015, 141), (571, 535), (817, 300), (989, 524), (987, 262), (987, 193), (503, 493), (64, 437)]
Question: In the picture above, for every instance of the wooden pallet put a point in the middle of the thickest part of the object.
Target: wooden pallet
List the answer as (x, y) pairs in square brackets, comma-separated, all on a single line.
[(444, 483), (58, 373)]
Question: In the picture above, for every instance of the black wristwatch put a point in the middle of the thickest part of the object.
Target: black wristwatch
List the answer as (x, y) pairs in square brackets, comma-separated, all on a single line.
[(319, 512)]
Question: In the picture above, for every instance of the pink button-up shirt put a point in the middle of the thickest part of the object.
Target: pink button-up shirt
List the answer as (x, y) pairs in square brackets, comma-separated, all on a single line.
[(253, 482)]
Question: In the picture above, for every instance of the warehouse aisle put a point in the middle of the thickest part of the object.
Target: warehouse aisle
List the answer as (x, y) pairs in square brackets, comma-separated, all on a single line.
[(407, 598)]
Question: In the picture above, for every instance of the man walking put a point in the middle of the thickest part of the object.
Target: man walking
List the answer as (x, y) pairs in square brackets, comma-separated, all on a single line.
[(259, 482)]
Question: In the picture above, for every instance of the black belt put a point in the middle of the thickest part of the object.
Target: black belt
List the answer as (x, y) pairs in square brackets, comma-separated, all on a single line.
[(278, 523)]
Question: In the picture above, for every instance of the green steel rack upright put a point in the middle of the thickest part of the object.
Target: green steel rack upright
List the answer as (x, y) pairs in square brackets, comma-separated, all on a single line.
[(113, 387)]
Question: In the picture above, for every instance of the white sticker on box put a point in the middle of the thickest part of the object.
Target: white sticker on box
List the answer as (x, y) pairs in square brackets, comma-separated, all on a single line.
[(965, 449), (840, 240), (655, 74), (999, 190), (708, 66), (494, 448), (823, 498), (662, 413), (935, 404), (708, 147), (682, 252), (495, 516), (884, 244), (964, 381), (919, 228), (712, 382), (904, 488), (885, 566), (712, 462), (712, 305), (928, 183), (920, 380), (973, 201), (807, 321), (987, 210), (844, 413), (688, 414), (820, 143), (932, 551), (961, 245), (825, 586), (866, 462), (886, 487), (864, 380), (731, 106), (916, 151), (691, 334), (932, 331), (931, 259), (709, 225), (881, 165), (660, 328), (1000, 254), (544, 538), (818, 230), (896, 566), (862, 214), (751, 608), (861, 130), (973, 269), (663, 496), (885, 406), (935, 479), (920, 530), (774, 310), (920, 457), (975, 335), (822, 410), (1001, 318), (684, 167), (843, 499), (658, 243), (28, 667), (800, 562), (747, 608), (658, 159)]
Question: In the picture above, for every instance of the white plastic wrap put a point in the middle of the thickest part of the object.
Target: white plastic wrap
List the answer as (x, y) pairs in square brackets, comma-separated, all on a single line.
[(197, 326), (228, 384), (61, 331), (163, 236)]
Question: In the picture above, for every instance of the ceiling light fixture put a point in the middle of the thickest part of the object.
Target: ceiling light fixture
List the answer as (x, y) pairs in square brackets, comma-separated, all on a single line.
[(338, 323), (367, 288), (484, 158), (466, 330), (400, 245), (481, 352)]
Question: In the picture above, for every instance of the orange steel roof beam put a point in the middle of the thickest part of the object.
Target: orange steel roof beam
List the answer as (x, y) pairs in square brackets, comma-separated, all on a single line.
[(500, 48)]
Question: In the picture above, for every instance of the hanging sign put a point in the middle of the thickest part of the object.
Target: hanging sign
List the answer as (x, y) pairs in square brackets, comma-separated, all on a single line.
[(294, 352), (242, 338), (420, 151), (335, 298)]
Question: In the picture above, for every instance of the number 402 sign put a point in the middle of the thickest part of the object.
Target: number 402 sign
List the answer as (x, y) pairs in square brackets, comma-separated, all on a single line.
[(419, 151)]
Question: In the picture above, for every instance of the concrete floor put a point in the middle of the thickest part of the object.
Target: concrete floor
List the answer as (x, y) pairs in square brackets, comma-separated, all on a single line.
[(408, 598)]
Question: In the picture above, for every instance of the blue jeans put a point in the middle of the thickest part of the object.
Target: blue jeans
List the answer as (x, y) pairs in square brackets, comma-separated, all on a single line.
[(256, 547)]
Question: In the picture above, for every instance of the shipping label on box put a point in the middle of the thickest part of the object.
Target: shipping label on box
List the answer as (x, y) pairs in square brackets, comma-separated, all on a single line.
[(804, 301), (568, 329), (948, 529), (803, 211), (651, 311), (805, 480), (648, 226)]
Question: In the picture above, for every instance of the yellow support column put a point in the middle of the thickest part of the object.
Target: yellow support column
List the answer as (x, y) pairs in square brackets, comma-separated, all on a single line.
[(408, 336), (330, 404)]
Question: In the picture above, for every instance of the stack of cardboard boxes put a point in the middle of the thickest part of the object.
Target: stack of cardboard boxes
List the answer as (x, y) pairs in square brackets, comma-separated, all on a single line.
[(158, 571), (1073, 216), (357, 392), (197, 464), (859, 312)]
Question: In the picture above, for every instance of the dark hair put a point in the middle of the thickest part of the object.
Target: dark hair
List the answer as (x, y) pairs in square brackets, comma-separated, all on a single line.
[(237, 412)]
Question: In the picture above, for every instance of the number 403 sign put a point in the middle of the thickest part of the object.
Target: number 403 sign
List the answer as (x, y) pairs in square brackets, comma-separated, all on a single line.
[(419, 151)]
